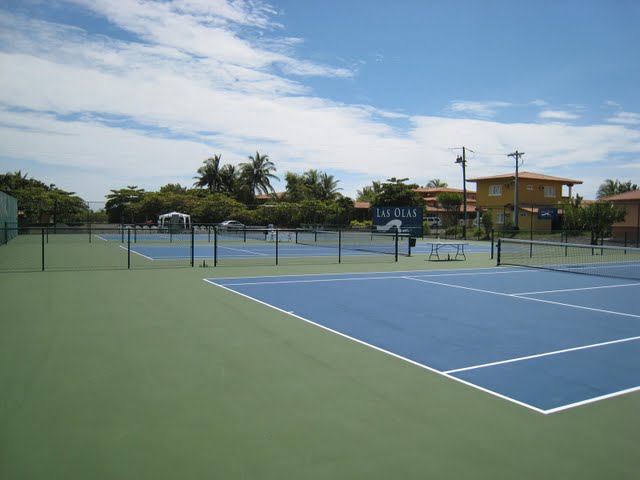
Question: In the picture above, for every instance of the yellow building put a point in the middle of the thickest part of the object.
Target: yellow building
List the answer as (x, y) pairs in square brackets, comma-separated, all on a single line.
[(627, 231), (540, 199)]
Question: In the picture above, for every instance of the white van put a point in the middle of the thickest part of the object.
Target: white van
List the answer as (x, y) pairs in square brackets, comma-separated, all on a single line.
[(434, 222)]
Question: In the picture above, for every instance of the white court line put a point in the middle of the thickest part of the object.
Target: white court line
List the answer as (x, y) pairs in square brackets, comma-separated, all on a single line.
[(137, 253), (592, 400), (445, 374), (320, 280), (100, 237), (531, 299), (637, 284), (244, 251), (546, 354), (395, 355)]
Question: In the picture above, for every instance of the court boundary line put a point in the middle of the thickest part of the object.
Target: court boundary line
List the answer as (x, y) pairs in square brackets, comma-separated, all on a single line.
[(137, 253), (446, 272), (382, 350), (560, 290), (515, 295), (545, 354), (360, 278)]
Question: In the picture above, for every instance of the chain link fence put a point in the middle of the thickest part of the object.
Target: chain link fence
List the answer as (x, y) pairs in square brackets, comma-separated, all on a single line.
[(93, 246)]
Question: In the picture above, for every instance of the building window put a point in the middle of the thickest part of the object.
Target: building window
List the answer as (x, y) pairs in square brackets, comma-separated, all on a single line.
[(500, 218), (550, 192), (529, 187), (495, 190)]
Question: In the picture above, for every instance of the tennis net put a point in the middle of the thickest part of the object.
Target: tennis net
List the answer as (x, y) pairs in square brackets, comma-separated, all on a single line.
[(608, 261), (384, 243)]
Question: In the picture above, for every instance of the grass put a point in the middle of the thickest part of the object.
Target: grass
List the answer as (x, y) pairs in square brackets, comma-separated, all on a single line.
[(156, 374)]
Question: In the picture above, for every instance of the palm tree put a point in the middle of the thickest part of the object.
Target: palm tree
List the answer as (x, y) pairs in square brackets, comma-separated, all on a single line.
[(369, 193), (209, 174), (256, 174), (436, 183), (229, 179), (610, 187), (328, 187)]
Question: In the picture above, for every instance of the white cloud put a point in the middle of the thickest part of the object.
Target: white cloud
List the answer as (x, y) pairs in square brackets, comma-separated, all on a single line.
[(625, 118), (114, 112), (477, 109), (557, 115)]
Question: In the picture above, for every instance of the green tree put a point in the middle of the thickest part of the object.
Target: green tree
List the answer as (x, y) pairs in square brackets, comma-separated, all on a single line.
[(173, 188), (573, 218), (209, 174), (451, 203), (229, 180), (13, 181), (119, 200), (611, 187), (436, 183), (599, 217), (328, 187), (487, 221), (395, 192), (297, 189), (369, 193), (42, 203), (256, 175)]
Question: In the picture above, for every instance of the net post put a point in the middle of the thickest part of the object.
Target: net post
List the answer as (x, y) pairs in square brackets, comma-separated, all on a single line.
[(396, 245), (193, 237), (170, 233), (129, 249), (498, 255), (6, 234), (277, 241), (43, 249), (135, 234), (89, 233), (215, 246), (339, 246), (244, 231), (493, 241), (122, 233)]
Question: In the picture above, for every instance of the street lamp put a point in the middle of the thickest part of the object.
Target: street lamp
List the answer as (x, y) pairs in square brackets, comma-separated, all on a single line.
[(462, 160)]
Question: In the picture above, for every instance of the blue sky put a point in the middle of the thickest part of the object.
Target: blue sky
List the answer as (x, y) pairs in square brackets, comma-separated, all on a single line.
[(101, 94)]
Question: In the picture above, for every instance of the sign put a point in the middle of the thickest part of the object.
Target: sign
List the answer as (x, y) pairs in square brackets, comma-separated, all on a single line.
[(402, 219), (547, 213)]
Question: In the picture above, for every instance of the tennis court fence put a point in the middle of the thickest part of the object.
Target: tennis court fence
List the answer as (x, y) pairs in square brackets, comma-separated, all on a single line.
[(602, 260), (125, 247)]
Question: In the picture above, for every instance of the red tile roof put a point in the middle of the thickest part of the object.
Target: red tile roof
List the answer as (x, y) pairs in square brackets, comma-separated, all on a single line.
[(624, 197), (529, 176)]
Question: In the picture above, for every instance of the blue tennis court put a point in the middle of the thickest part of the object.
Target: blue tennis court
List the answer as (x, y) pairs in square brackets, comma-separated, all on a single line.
[(239, 250), (544, 340)]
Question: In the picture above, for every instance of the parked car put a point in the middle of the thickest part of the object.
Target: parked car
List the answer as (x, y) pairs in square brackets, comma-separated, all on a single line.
[(434, 222), (231, 225)]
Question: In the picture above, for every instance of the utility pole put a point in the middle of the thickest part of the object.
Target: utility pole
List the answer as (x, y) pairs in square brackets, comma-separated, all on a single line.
[(517, 156), (462, 160)]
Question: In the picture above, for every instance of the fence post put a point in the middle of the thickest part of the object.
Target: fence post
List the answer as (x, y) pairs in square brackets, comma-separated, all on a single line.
[(192, 246), (43, 249), (499, 247), (129, 249), (89, 233), (339, 245), (277, 241), (215, 246)]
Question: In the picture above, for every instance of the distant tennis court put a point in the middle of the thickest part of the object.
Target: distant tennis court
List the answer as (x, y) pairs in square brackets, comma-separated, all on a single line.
[(545, 340)]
